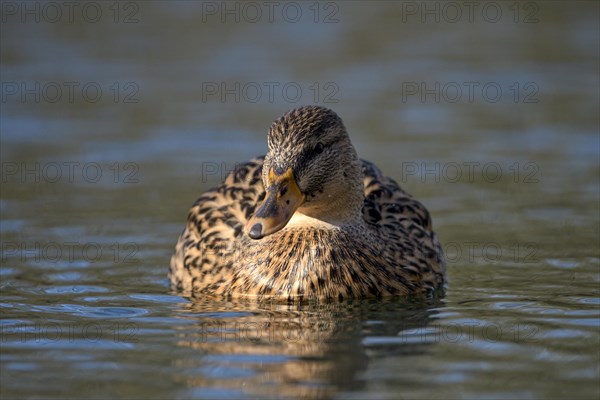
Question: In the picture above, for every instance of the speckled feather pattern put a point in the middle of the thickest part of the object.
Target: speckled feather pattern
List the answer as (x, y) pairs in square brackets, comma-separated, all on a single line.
[(397, 253), (392, 250)]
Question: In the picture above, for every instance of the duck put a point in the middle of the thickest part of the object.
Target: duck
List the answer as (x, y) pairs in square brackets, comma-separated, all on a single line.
[(309, 220)]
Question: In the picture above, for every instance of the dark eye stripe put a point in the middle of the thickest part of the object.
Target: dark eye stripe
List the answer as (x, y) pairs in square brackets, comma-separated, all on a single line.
[(307, 155)]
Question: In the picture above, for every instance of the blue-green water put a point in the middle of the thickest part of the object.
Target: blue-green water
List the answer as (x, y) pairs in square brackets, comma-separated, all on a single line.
[(116, 116)]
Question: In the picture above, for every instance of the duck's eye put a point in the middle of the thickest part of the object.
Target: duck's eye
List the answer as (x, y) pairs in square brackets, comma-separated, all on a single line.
[(319, 148)]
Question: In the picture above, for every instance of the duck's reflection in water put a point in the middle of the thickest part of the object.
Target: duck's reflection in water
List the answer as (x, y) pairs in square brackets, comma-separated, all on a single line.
[(274, 350)]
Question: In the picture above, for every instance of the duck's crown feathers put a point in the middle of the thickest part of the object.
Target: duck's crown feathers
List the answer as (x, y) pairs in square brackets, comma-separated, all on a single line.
[(302, 124)]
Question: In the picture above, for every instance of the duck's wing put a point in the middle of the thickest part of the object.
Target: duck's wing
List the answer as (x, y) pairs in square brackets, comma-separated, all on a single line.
[(404, 224), (207, 246)]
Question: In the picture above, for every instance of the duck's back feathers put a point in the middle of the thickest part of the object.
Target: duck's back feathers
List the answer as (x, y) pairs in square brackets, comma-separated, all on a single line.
[(215, 228), (405, 225)]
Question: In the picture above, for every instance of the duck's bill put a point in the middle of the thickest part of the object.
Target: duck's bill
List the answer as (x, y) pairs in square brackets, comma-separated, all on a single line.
[(281, 201)]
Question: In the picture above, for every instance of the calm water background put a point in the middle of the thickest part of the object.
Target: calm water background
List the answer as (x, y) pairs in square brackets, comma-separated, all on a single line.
[(116, 116)]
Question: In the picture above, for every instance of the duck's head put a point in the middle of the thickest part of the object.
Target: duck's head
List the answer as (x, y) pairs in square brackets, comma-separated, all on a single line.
[(311, 168)]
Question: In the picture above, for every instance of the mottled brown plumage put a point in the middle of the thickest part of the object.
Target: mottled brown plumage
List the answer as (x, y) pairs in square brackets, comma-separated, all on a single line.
[(308, 220)]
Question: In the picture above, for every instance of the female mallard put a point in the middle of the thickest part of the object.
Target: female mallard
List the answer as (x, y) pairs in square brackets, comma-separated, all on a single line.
[(308, 220)]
